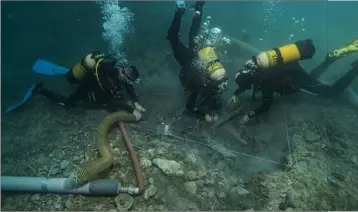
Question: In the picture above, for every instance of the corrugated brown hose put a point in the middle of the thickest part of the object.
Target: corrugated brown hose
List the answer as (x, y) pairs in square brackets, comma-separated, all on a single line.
[(91, 170)]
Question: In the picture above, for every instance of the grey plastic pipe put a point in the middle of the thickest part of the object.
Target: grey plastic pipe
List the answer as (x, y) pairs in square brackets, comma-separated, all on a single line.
[(57, 185)]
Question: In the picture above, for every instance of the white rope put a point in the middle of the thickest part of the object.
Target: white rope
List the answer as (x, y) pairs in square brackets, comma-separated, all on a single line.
[(236, 152), (288, 142)]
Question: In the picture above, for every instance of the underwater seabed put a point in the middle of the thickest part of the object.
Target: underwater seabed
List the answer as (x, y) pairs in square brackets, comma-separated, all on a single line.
[(320, 173)]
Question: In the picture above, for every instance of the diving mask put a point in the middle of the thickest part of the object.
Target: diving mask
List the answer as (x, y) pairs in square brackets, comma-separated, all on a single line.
[(249, 67), (97, 55)]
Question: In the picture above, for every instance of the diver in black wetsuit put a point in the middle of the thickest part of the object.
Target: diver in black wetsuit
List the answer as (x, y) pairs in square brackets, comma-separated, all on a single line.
[(100, 81), (289, 78), (202, 73)]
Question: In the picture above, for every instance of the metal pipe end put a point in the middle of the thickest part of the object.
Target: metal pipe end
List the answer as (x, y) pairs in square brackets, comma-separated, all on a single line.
[(129, 190)]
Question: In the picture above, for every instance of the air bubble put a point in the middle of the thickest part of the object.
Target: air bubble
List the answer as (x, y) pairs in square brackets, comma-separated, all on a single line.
[(117, 22)]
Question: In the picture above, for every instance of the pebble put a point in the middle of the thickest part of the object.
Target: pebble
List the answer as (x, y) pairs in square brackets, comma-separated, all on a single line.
[(354, 159), (211, 194), (202, 172), (222, 195), (191, 158), (209, 182), (169, 167), (200, 183), (311, 136), (151, 181), (146, 163), (151, 153), (290, 200), (68, 203), (54, 171), (99, 207), (191, 175), (42, 159), (124, 202), (116, 150), (191, 187), (151, 191), (234, 180), (239, 190), (35, 197), (67, 173), (64, 164)]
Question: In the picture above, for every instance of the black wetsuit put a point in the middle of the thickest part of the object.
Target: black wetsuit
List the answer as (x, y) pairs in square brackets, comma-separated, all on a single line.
[(291, 78), (104, 93), (204, 97)]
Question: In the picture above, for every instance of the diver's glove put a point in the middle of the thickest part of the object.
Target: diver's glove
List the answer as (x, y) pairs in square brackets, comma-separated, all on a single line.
[(244, 119), (233, 99), (247, 117), (137, 114), (211, 119), (138, 107)]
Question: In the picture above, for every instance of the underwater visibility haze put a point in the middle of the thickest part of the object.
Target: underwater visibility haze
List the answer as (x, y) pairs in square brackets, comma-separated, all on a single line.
[(179, 105)]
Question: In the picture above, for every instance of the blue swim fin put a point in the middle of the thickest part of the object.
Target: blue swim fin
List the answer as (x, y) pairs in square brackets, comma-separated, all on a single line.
[(180, 4), (28, 94), (48, 68)]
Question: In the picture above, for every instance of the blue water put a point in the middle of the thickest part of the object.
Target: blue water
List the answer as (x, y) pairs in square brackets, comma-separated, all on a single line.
[(62, 32)]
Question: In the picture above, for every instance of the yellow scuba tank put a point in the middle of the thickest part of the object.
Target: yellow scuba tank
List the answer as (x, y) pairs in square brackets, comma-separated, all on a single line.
[(78, 72), (299, 50), (210, 60)]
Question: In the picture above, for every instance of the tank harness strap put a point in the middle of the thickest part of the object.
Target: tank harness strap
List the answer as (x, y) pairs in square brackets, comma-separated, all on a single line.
[(96, 74), (279, 56)]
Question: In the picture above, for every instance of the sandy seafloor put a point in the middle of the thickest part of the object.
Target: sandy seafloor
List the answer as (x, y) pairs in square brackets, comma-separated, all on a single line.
[(46, 140)]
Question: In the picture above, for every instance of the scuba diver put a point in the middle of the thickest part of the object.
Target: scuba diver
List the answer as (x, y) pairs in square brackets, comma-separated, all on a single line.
[(100, 81), (202, 73), (278, 70)]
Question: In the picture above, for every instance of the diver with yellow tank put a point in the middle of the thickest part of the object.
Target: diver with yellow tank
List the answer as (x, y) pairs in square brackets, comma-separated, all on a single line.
[(202, 73), (100, 81), (278, 71)]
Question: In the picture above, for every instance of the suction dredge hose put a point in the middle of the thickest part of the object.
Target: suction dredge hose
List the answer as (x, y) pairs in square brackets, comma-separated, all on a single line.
[(90, 171)]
